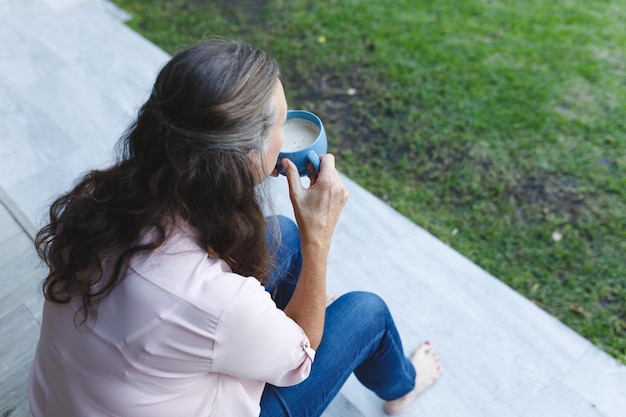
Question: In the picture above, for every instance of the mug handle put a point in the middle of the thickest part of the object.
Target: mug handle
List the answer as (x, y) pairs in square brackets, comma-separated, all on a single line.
[(315, 160)]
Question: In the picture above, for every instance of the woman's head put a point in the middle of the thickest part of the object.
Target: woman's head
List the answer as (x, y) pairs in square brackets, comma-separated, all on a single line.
[(220, 94), (201, 144), (212, 99), (210, 124)]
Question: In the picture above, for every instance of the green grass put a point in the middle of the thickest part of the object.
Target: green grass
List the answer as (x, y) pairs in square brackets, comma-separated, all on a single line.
[(492, 124)]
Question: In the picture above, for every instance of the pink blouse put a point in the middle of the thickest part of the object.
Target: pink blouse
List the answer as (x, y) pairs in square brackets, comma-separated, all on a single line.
[(182, 335)]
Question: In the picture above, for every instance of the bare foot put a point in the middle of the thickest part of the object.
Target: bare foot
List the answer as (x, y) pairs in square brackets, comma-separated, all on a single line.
[(428, 368)]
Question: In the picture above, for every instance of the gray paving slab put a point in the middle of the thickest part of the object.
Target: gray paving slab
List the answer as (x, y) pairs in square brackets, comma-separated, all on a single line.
[(20, 312), (71, 77), (558, 400), (72, 67), (600, 381)]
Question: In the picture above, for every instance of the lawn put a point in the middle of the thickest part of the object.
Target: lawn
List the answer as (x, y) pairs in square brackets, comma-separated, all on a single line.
[(497, 125)]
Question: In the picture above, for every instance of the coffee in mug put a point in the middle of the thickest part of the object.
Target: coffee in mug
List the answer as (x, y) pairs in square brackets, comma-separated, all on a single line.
[(299, 134), (304, 140)]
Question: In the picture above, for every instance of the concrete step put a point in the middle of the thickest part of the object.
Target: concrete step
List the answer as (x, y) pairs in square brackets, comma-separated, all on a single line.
[(74, 69)]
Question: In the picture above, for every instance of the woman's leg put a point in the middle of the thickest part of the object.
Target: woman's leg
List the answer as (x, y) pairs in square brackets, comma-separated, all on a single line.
[(359, 336), (287, 259)]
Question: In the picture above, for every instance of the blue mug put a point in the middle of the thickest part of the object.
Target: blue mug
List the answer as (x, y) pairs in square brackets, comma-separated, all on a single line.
[(304, 140)]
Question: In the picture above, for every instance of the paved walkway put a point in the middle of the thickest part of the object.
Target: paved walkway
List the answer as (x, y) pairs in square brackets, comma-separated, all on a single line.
[(71, 77)]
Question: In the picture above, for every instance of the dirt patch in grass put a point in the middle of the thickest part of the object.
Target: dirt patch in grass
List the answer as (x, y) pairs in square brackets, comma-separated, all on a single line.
[(558, 197)]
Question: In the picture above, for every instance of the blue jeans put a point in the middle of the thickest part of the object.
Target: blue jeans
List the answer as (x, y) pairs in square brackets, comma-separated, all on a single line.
[(359, 336)]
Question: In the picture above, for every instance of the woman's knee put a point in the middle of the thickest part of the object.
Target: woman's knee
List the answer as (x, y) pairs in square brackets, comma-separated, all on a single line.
[(363, 304), (355, 323)]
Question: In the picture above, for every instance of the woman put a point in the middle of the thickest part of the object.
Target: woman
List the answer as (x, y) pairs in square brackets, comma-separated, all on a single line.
[(170, 292)]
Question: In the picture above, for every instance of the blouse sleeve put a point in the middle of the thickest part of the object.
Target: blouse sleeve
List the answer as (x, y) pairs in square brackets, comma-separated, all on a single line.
[(256, 340)]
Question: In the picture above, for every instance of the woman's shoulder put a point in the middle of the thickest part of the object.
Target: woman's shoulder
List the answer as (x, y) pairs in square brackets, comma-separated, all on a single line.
[(183, 268)]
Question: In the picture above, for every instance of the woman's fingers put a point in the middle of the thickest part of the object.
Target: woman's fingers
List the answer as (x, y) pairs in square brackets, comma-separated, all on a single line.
[(293, 177), (318, 207), (313, 174)]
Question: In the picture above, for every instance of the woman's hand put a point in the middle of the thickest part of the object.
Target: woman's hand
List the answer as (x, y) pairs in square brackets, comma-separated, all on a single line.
[(318, 207)]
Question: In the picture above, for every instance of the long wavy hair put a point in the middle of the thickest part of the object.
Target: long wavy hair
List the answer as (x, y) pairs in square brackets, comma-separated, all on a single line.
[(194, 154)]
